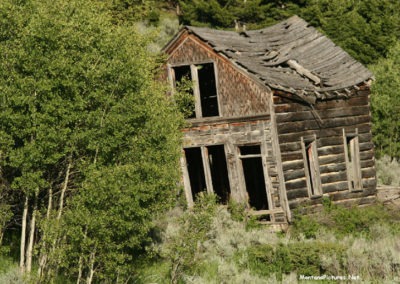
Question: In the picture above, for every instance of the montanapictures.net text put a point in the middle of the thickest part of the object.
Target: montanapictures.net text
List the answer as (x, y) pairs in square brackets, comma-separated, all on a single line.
[(330, 277)]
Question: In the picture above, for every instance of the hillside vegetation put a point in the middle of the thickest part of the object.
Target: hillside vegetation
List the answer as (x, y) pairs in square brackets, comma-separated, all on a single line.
[(214, 244)]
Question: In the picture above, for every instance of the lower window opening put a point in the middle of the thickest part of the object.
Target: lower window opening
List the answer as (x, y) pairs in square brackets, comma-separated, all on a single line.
[(219, 172), (195, 170), (255, 182)]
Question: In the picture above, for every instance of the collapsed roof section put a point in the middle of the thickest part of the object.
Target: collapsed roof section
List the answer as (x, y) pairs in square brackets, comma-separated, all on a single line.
[(290, 56)]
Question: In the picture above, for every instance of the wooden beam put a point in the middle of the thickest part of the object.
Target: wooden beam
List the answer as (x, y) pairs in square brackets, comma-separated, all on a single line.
[(186, 180)]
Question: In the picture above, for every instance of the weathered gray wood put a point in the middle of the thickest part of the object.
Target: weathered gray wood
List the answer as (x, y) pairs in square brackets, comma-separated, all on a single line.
[(336, 186), (285, 105), (329, 159), (297, 193), (324, 114), (303, 71), (333, 168), (329, 150), (196, 91), (366, 155), (350, 195), (295, 184), (368, 172), (279, 164), (207, 170), (290, 147), (290, 156), (290, 127), (333, 177), (294, 174), (186, 180), (293, 165)]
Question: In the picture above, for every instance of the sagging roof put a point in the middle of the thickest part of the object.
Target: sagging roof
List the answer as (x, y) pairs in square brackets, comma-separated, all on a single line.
[(290, 56)]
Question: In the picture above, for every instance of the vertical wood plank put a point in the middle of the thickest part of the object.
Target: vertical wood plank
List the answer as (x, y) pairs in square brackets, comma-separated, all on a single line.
[(196, 91), (186, 180), (207, 170), (277, 152), (267, 179)]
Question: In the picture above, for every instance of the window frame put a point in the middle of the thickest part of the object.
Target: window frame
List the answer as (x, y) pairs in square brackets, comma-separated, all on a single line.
[(206, 169), (196, 87)]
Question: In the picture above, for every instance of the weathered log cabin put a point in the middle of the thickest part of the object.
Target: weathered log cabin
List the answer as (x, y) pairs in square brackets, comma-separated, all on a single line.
[(281, 118)]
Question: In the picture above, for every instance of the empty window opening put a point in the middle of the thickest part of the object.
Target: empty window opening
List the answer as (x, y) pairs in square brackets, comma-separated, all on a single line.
[(194, 163), (352, 153), (219, 172), (254, 176), (183, 77), (208, 90), (204, 88), (181, 73), (312, 167)]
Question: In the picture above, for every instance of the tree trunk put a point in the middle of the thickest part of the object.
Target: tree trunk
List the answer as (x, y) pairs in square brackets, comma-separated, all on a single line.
[(32, 229), (23, 235), (63, 190), (89, 279), (80, 262), (43, 253)]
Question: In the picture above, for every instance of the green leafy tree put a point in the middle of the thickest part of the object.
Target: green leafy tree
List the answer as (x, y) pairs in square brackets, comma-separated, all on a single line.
[(366, 29), (385, 102), (89, 142)]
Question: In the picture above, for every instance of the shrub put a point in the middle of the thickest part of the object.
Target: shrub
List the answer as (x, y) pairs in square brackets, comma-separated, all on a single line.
[(388, 171), (183, 240), (344, 221), (300, 257)]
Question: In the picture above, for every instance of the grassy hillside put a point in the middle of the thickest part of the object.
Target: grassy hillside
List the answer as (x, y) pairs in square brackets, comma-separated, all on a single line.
[(214, 244)]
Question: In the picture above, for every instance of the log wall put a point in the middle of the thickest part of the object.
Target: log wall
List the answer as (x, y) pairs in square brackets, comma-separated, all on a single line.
[(238, 94), (295, 120)]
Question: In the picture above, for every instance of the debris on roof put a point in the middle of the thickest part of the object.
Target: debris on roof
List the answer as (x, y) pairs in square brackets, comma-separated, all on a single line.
[(290, 56)]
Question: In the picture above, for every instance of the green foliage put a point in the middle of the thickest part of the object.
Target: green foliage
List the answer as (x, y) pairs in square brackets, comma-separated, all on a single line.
[(385, 102), (129, 11), (344, 221), (183, 244), (223, 14), (366, 29), (232, 253), (81, 110), (387, 171), (184, 98), (303, 258), (237, 210), (306, 225)]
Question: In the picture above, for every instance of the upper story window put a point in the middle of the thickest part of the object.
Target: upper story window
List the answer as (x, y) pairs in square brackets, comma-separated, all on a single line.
[(204, 87)]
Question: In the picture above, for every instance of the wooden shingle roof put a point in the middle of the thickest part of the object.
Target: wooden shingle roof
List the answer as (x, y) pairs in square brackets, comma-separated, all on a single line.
[(290, 56)]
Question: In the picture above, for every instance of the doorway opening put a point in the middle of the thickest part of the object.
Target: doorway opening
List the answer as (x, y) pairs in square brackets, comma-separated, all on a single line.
[(219, 172), (254, 176)]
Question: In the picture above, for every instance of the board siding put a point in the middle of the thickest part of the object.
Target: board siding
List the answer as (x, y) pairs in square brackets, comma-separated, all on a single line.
[(238, 94)]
